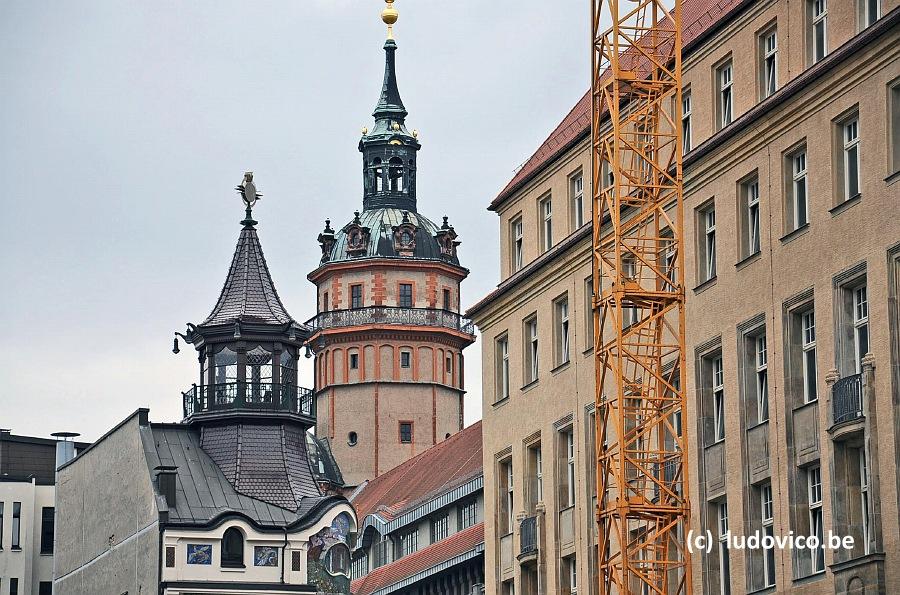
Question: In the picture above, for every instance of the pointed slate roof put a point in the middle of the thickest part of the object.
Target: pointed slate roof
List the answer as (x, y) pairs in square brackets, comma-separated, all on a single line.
[(389, 103), (249, 293)]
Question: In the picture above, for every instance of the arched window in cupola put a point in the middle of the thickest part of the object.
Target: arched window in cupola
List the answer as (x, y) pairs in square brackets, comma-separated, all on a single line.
[(259, 374), (226, 366), (378, 172), (395, 174), (233, 548)]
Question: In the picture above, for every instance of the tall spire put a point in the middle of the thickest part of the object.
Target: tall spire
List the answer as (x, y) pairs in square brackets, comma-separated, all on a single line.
[(390, 106)]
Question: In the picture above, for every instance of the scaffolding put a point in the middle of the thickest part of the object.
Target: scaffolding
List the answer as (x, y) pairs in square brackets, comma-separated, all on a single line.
[(636, 134)]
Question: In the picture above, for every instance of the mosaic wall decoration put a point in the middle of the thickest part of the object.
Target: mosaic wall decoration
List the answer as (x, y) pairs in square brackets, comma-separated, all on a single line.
[(329, 554), (199, 553), (265, 555)]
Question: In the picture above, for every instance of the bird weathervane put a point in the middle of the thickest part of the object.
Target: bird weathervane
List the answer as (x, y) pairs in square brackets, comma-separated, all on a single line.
[(247, 190)]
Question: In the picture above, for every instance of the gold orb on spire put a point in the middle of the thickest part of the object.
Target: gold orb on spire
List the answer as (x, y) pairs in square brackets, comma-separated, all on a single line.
[(390, 15)]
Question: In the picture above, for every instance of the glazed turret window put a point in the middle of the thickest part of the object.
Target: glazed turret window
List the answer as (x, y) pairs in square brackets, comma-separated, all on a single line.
[(395, 175)]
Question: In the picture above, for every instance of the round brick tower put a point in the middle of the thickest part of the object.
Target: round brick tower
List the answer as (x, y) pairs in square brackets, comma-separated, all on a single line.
[(388, 337)]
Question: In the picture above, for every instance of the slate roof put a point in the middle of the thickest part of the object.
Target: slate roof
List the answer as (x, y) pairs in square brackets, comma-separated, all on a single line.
[(469, 540), (697, 17), (249, 293), (381, 244), (442, 467), (207, 493)]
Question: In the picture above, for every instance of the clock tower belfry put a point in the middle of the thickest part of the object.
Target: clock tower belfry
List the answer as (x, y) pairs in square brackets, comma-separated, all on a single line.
[(388, 335)]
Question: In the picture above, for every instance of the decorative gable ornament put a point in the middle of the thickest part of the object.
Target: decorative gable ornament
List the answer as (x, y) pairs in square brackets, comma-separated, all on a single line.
[(326, 240), (357, 237), (405, 237), (446, 239)]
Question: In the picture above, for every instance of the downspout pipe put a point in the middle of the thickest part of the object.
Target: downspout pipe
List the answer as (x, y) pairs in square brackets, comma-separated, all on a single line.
[(283, 552)]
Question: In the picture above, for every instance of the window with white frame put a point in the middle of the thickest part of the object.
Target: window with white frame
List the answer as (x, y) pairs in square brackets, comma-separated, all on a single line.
[(531, 350), (816, 518), (360, 567), (860, 325), (686, 121), (818, 33), (589, 312), (561, 313), (750, 199), (799, 207), (576, 188), (767, 510), (707, 218), (467, 515), (870, 12), (546, 211), (407, 543), (15, 542), (572, 571), (808, 347), (718, 392), (440, 527), (505, 496), (629, 271), (502, 368), (669, 260), (724, 560), (724, 77), (570, 466), (762, 379), (864, 499), (517, 233), (769, 66), (850, 136), (539, 473)]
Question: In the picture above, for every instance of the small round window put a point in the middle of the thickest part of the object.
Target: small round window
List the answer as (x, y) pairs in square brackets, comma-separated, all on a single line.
[(352, 438)]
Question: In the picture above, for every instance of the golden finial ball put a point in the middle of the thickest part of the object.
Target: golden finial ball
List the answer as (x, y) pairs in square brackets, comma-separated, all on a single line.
[(389, 15)]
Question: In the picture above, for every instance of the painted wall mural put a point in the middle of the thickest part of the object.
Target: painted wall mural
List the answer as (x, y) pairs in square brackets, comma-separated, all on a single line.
[(199, 553), (329, 556), (265, 555)]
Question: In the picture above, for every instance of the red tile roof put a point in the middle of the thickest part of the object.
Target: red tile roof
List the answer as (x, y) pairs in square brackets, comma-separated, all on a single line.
[(697, 17), (446, 549), (442, 467)]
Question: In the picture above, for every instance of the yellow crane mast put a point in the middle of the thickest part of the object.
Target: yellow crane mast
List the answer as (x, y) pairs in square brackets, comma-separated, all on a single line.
[(642, 472)]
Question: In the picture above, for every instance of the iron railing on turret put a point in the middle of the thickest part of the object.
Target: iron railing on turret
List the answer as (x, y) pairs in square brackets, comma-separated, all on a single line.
[(392, 315), (846, 398), (260, 396)]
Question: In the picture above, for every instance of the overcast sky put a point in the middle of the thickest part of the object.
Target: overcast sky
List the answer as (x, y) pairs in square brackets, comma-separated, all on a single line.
[(124, 127)]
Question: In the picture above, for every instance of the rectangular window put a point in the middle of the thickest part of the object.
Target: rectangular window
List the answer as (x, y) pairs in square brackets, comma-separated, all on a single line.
[(768, 43), (725, 94), (356, 300), (589, 312), (816, 519), (572, 570), (762, 380), (686, 121), (561, 313), (718, 392), (818, 33), (850, 135), (440, 527), (505, 496), (466, 515), (447, 304), (531, 350), (1, 525), (13, 586), (48, 519), (750, 220), (569, 442), (894, 131), (630, 314), (576, 189), (406, 295), (864, 499), (768, 529), (724, 561), (502, 367), (546, 210), (325, 302), (448, 364), (354, 361), (16, 526), (45, 588), (405, 359), (707, 264), (860, 325), (407, 543), (808, 347), (669, 260), (538, 474), (798, 209), (517, 234), (406, 432), (870, 12)]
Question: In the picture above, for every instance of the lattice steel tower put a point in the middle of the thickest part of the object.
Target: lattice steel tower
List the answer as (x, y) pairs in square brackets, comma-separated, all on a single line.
[(642, 478)]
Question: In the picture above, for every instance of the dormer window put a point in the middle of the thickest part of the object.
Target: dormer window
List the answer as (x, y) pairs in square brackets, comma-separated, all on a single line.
[(233, 548), (395, 175)]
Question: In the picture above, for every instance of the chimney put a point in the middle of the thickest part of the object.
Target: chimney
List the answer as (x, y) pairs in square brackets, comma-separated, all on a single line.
[(65, 447), (165, 482)]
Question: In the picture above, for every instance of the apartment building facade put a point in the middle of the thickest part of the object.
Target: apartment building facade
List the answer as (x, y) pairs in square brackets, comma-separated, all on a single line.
[(792, 248)]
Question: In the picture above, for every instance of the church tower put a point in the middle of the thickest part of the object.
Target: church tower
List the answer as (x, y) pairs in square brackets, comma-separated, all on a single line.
[(388, 335)]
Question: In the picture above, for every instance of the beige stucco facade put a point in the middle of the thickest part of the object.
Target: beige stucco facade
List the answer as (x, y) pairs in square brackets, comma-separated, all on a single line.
[(845, 244)]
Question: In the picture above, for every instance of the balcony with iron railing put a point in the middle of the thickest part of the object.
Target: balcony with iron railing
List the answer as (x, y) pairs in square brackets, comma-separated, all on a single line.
[(261, 397), (528, 537), (392, 316), (847, 399)]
